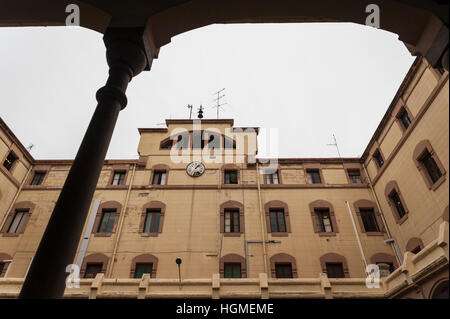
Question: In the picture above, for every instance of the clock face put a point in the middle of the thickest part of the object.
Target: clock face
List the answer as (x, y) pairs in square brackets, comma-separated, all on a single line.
[(195, 169)]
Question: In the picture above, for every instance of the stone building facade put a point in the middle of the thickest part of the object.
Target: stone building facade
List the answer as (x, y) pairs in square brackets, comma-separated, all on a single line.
[(299, 227)]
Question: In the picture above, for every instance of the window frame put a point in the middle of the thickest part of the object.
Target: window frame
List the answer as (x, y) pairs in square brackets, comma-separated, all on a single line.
[(96, 258), (309, 171), (144, 259), (377, 155), (334, 258), (120, 182), (422, 148), (232, 264), (152, 205), (399, 117), (13, 164), (25, 205), (390, 188), (277, 205), (227, 168), (334, 264), (364, 204), (235, 259), (109, 205), (41, 181), (236, 206), (322, 205), (5, 259), (283, 258)]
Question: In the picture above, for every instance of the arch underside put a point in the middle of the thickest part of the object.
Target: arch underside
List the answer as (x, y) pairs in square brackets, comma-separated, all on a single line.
[(166, 19)]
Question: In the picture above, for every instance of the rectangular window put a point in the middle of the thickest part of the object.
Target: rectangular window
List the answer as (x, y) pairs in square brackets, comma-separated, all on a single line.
[(272, 178), (159, 178), (18, 221), (354, 175), (232, 220), (152, 219), (313, 176), (396, 201), (2, 266), (232, 270), (432, 168), (118, 178), (369, 220), (324, 220), (231, 177), (404, 118), (277, 221), (107, 221), (143, 268), (283, 271), (335, 270), (10, 160), (92, 270), (378, 158), (38, 178)]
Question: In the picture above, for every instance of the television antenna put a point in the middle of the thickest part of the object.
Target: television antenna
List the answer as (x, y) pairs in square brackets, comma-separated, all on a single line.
[(190, 111), (30, 147), (335, 145), (218, 106)]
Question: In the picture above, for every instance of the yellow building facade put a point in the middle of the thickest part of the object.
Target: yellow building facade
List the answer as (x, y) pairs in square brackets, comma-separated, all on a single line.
[(245, 227)]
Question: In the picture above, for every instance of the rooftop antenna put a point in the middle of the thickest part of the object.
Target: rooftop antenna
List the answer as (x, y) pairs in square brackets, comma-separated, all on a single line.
[(190, 111), (336, 145), (30, 147), (219, 105)]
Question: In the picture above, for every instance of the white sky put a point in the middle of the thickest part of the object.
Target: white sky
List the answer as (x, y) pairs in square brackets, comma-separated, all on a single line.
[(307, 80)]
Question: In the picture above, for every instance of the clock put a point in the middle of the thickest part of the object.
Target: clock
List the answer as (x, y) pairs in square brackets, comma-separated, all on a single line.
[(195, 169)]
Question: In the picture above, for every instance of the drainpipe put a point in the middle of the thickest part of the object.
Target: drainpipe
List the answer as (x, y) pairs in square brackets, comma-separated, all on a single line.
[(119, 229), (357, 237), (390, 240), (87, 233), (16, 195), (263, 222)]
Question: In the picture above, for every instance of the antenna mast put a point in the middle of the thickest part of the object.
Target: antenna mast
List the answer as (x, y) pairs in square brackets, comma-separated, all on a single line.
[(336, 145), (190, 111), (219, 105)]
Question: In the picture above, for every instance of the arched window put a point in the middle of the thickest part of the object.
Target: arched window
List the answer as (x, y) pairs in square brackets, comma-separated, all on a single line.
[(323, 218), (232, 266), (277, 218), (383, 258), (395, 200), (17, 219), (429, 165), (93, 264), (152, 219), (283, 266), (334, 265), (369, 217), (414, 245), (232, 218), (144, 264), (105, 222)]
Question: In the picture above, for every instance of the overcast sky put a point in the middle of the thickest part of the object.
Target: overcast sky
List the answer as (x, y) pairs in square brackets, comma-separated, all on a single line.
[(308, 80)]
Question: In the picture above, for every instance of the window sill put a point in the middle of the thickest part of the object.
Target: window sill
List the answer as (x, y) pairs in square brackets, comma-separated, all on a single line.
[(279, 234), (402, 220), (149, 234), (103, 234), (11, 234), (117, 186), (231, 234), (325, 234), (438, 183), (374, 233)]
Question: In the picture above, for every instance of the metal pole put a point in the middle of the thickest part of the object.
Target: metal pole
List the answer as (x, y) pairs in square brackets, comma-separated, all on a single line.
[(357, 237), (127, 57)]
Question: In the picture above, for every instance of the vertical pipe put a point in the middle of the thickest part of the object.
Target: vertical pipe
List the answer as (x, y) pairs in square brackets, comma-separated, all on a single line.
[(262, 218), (357, 237), (119, 230)]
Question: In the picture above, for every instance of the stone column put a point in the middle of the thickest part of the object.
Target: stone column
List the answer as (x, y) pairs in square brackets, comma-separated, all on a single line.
[(127, 55)]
